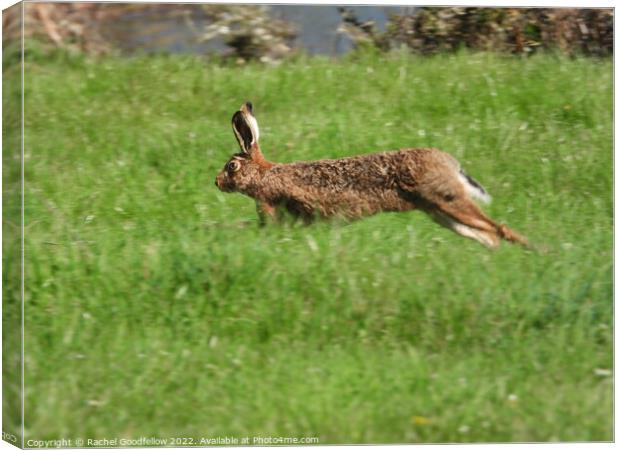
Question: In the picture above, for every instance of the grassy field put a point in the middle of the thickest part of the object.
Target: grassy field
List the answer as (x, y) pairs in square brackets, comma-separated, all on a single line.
[(155, 306)]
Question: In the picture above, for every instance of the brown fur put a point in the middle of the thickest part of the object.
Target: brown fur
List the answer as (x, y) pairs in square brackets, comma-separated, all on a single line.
[(420, 178)]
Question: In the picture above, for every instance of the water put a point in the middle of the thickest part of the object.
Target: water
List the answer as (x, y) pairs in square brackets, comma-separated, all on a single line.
[(317, 25), (177, 28)]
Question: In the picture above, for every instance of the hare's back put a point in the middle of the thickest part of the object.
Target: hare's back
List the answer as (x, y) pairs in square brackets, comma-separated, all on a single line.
[(361, 171)]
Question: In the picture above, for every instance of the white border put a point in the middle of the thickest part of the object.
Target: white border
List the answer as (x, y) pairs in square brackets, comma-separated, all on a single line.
[(489, 3)]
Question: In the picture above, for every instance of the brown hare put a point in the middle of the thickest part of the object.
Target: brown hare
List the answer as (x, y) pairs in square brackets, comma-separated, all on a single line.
[(402, 180)]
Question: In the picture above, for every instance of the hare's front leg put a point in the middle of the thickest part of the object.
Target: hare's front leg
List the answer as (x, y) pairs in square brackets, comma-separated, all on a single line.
[(265, 210)]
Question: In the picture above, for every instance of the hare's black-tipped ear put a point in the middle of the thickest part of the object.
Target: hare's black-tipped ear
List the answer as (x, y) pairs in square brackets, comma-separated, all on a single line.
[(245, 127), (242, 132)]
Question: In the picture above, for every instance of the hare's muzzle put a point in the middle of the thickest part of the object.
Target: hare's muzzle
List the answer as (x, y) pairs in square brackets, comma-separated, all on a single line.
[(221, 181)]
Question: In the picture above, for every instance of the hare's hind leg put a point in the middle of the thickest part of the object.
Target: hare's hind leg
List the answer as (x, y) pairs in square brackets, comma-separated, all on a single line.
[(513, 236), (486, 238), (467, 214)]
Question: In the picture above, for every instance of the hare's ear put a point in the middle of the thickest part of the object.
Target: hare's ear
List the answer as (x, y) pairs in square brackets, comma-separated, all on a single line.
[(245, 128), (242, 131)]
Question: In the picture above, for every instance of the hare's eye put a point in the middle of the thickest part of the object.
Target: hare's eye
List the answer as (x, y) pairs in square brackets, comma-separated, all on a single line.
[(233, 166)]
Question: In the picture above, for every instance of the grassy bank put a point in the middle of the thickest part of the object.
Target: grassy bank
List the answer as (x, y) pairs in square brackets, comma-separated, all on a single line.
[(156, 306)]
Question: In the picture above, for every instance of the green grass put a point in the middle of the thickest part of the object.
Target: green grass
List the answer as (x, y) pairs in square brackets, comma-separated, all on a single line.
[(156, 307)]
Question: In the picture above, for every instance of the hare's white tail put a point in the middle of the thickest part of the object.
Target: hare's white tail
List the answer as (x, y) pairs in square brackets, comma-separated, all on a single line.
[(473, 188)]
